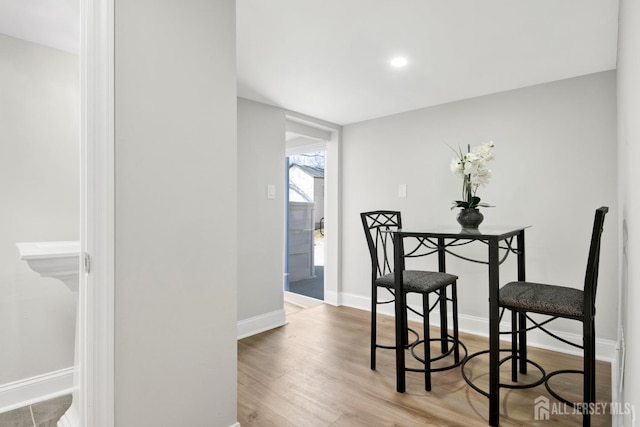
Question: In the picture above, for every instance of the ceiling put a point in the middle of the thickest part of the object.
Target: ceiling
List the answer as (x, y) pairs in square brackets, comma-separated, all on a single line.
[(330, 58), (54, 23)]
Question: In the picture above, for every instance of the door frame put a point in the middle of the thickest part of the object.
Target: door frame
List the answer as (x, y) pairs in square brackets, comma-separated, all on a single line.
[(328, 136), (95, 396)]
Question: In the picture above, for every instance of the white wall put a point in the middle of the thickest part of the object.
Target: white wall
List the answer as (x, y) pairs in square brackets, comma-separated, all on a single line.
[(39, 190), (261, 155), (176, 213), (629, 150), (261, 161), (555, 163)]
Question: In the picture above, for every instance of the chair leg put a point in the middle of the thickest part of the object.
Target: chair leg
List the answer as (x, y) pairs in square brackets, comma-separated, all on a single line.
[(456, 338), (589, 365), (427, 342), (522, 342), (444, 327), (593, 362), (374, 304), (514, 346), (405, 328)]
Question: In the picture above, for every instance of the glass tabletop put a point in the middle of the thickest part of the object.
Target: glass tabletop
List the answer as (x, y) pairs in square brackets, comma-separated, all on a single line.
[(455, 232)]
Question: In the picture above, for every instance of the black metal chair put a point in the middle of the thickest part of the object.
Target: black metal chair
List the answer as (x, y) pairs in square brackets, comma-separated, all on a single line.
[(378, 227), (522, 298)]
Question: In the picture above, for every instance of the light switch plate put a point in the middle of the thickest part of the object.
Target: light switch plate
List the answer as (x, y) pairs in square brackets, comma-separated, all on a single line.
[(271, 191)]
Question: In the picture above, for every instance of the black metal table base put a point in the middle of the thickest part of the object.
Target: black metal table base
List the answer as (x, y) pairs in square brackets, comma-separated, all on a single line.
[(444, 240), (503, 360)]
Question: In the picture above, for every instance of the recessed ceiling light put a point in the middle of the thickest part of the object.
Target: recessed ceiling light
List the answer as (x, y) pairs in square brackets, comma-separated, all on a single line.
[(399, 62)]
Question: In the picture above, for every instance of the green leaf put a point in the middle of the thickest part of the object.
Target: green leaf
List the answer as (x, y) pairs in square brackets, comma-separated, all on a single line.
[(460, 204)]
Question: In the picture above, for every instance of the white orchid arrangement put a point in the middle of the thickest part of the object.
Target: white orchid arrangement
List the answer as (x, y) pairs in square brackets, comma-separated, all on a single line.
[(471, 167)]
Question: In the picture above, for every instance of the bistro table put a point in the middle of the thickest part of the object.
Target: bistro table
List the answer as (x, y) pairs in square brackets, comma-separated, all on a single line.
[(444, 240)]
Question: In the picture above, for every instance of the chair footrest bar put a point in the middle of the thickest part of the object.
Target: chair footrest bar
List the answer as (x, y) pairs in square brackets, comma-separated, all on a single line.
[(393, 347), (556, 395), (440, 356), (503, 385)]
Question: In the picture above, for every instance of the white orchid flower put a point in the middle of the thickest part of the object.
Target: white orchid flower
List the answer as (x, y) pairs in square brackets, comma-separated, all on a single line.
[(471, 167)]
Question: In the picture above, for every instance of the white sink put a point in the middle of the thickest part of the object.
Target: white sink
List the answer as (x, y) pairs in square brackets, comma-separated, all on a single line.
[(59, 260)]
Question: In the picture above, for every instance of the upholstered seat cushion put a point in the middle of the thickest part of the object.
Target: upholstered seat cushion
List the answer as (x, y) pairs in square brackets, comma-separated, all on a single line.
[(419, 281), (544, 299)]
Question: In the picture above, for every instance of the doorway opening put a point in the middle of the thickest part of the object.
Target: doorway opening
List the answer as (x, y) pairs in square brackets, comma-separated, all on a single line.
[(305, 137), (41, 219), (305, 216)]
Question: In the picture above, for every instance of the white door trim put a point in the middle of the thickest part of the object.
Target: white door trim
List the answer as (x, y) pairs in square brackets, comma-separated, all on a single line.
[(333, 220), (95, 397)]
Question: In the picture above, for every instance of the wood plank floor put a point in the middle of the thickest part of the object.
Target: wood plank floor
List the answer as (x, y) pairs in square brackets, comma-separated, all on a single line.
[(314, 371)]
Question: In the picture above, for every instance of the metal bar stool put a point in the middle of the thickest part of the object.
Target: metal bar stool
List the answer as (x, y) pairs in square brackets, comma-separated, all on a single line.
[(556, 301), (378, 227)]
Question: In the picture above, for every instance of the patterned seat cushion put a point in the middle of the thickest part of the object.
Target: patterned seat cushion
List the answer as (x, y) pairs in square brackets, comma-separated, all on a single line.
[(419, 281), (544, 299)]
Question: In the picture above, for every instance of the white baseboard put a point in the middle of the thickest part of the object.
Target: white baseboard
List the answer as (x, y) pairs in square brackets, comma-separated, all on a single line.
[(235, 425), (358, 301), (36, 389), (264, 322), (301, 300), (605, 349), (333, 298)]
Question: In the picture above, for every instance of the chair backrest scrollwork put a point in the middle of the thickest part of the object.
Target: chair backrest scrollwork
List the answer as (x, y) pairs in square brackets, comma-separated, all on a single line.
[(377, 225)]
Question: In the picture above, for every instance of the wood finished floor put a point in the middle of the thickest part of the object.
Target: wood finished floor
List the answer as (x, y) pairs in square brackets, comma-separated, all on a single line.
[(314, 371)]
